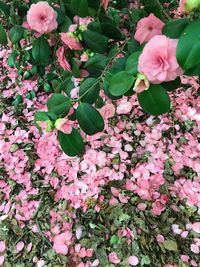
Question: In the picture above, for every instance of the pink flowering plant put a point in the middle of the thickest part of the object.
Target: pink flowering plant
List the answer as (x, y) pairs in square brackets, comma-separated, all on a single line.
[(76, 49), (99, 133)]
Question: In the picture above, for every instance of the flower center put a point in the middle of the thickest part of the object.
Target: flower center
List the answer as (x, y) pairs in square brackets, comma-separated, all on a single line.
[(42, 17)]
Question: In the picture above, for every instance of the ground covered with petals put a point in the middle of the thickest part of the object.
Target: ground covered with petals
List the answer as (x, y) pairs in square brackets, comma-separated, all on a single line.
[(132, 199)]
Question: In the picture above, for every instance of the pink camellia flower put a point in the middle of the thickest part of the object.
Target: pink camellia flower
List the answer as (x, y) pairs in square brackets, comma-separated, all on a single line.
[(186, 6), (64, 125), (104, 3), (113, 258), (70, 40), (60, 53), (158, 60), (41, 17), (147, 28)]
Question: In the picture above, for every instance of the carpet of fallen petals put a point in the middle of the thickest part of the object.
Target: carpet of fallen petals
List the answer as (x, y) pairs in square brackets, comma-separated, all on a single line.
[(135, 190)]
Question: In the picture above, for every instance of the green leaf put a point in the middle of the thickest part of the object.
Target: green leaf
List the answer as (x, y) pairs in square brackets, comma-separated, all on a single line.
[(89, 119), (193, 71), (174, 28), (16, 34), (95, 41), (11, 60), (111, 31), (155, 100), (170, 245), (72, 144), (133, 46), (41, 50), (56, 86), (97, 62), (120, 83), (136, 15), (114, 239), (188, 48), (18, 100), (80, 7), (95, 26), (152, 7), (60, 15), (3, 37), (89, 90), (5, 9), (118, 65), (75, 68), (173, 85), (132, 63), (59, 105), (64, 26)]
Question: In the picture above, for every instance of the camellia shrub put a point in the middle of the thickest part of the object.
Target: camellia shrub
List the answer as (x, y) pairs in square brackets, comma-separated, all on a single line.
[(81, 50)]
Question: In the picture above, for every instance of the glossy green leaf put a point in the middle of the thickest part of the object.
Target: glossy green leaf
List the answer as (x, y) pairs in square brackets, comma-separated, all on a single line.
[(3, 37), (5, 9), (95, 26), (173, 85), (152, 6), (111, 31), (95, 41), (120, 83), (75, 68), (89, 119), (72, 144), (174, 28), (18, 100), (188, 49), (11, 60), (132, 63), (155, 100), (41, 50), (80, 7), (89, 90), (16, 34), (118, 65), (59, 104), (97, 62), (133, 46)]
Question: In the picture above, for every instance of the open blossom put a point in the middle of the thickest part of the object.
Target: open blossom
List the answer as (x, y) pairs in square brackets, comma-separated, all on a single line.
[(71, 41), (158, 60), (147, 28), (60, 53), (41, 17)]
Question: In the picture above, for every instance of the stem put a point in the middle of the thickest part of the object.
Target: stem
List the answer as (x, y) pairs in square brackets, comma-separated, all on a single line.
[(41, 233), (38, 209)]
